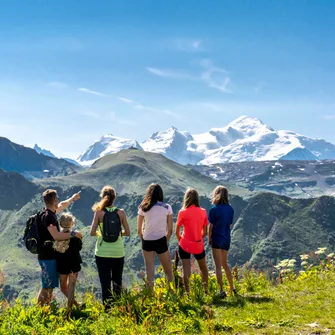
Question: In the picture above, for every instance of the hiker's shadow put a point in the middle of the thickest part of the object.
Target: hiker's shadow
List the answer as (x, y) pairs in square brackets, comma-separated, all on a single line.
[(240, 301)]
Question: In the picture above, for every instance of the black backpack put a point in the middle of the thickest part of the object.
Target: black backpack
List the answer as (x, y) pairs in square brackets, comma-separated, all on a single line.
[(111, 226), (31, 236)]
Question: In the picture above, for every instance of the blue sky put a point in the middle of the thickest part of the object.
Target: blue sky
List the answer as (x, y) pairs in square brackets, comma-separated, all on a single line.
[(71, 71)]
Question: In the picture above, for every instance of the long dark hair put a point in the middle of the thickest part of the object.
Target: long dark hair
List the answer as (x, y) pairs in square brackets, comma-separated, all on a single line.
[(152, 196)]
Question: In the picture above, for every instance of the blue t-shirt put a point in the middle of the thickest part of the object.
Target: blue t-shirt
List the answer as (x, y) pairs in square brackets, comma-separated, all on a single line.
[(221, 217)]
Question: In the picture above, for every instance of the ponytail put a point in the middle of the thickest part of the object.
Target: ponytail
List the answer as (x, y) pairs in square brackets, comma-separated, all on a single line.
[(107, 196)]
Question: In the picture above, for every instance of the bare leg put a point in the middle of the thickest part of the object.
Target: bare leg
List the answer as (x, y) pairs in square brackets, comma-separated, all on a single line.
[(72, 283), (187, 273), (44, 296), (149, 261), (165, 260), (218, 264), (204, 272), (225, 265), (64, 286)]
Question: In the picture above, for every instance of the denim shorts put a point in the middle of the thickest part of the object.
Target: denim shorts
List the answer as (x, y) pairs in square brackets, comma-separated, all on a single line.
[(49, 274)]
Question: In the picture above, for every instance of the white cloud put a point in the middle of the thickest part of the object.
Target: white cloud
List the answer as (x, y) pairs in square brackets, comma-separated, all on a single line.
[(168, 73), (126, 100), (328, 117), (58, 84), (158, 110), (188, 45), (86, 90), (116, 119), (147, 108), (196, 44), (214, 76), (91, 114), (211, 75), (174, 115)]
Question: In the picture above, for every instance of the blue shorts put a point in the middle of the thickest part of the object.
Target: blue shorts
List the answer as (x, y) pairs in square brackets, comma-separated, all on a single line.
[(49, 274), (224, 246)]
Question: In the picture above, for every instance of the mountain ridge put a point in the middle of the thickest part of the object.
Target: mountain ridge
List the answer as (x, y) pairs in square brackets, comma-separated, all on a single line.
[(244, 139), (30, 163)]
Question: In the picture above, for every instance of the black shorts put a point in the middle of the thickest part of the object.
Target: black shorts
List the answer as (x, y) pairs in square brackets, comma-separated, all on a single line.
[(158, 246), (185, 255), (67, 268), (225, 246)]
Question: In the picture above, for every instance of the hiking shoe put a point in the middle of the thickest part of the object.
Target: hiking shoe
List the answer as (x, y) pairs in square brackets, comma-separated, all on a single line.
[(223, 295)]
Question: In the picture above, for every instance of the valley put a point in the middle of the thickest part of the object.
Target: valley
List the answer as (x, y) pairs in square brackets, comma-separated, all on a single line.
[(268, 226)]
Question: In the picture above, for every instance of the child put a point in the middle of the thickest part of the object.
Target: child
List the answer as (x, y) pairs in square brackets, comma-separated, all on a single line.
[(193, 219), (220, 218), (68, 259)]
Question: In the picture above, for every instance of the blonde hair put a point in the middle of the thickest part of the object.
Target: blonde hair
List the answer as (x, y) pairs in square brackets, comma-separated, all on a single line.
[(66, 221), (220, 196), (191, 198), (107, 195)]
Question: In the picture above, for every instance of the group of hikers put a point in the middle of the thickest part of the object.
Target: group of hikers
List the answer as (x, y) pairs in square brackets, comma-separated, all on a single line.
[(59, 254)]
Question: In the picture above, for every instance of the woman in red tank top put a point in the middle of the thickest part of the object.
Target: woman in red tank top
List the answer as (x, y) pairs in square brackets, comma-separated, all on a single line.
[(194, 221)]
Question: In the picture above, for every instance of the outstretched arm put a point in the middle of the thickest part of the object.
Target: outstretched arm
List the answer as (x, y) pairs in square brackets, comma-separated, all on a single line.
[(66, 203)]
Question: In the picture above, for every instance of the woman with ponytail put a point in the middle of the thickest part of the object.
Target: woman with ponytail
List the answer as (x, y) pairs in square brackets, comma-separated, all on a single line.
[(193, 219), (109, 254), (221, 217)]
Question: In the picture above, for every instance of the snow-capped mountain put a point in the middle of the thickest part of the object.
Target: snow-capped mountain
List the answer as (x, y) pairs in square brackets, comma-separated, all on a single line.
[(173, 144), (245, 139), (50, 154), (44, 151), (108, 144)]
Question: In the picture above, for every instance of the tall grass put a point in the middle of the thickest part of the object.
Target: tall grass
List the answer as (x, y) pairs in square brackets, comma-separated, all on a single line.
[(301, 297)]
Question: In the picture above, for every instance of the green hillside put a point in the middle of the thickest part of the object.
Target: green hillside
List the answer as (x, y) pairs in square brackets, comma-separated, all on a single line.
[(268, 227), (273, 227), (131, 171)]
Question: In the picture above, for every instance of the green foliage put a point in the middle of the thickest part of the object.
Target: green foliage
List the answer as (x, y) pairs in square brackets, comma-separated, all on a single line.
[(261, 307)]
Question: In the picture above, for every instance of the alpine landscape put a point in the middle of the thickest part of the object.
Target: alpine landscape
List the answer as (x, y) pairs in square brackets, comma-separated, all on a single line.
[(188, 95), (297, 194)]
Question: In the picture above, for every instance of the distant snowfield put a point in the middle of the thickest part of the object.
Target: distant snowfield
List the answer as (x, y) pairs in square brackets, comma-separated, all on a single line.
[(245, 139)]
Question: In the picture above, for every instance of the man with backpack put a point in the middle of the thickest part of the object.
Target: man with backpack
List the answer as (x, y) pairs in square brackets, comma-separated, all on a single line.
[(48, 231)]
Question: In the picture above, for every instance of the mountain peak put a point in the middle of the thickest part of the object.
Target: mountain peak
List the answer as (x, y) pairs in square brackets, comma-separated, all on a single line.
[(108, 144), (244, 139), (44, 152), (106, 136), (250, 125)]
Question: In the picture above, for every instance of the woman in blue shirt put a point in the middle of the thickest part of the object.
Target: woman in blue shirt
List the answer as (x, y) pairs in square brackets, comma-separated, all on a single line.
[(220, 218)]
